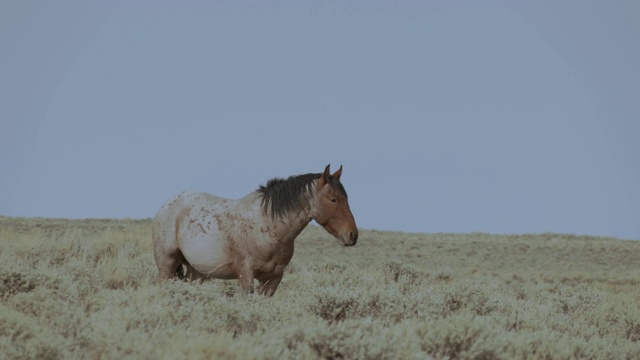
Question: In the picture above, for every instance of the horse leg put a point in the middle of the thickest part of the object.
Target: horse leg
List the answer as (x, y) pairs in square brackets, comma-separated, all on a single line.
[(269, 286), (245, 278), (165, 248), (168, 265)]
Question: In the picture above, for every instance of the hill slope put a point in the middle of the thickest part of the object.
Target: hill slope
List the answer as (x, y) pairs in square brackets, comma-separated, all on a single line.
[(87, 288)]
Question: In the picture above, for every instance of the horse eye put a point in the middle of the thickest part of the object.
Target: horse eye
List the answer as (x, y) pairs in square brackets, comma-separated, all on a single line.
[(332, 199)]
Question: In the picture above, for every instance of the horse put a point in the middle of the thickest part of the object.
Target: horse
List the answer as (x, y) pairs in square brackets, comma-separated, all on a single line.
[(251, 237)]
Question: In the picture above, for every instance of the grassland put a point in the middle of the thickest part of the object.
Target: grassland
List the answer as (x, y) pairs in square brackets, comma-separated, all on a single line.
[(87, 289)]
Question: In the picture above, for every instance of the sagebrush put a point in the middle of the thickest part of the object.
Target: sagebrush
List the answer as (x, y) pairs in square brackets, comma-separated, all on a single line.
[(88, 289)]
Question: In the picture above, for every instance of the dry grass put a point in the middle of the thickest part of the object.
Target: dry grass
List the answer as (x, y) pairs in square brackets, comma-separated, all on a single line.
[(87, 289)]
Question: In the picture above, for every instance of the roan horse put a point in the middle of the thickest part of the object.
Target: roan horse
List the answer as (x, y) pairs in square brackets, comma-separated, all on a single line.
[(252, 237)]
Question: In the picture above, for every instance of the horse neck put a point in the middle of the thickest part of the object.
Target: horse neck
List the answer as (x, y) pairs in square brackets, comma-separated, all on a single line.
[(288, 226)]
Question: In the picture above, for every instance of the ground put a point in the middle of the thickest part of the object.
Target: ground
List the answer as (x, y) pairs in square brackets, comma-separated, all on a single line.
[(88, 289)]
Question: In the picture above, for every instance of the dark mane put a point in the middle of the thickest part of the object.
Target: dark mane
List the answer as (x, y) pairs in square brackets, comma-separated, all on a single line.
[(283, 196)]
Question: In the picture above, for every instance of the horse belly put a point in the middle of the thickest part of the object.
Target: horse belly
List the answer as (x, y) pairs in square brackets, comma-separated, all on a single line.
[(208, 255)]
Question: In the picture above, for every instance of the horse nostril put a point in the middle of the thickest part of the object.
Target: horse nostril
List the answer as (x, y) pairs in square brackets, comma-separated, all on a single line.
[(353, 236)]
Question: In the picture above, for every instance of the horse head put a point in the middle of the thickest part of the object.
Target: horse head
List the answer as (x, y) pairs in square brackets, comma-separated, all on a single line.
[(332, 210)]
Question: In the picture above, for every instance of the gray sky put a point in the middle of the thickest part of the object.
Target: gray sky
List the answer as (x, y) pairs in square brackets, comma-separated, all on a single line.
[(458, 116)]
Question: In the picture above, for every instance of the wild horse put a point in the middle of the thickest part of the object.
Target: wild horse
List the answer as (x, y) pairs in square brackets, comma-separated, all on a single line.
[(252, 237)]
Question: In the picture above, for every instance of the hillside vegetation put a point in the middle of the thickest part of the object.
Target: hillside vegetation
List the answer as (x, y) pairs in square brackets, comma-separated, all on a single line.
[(87, 289)]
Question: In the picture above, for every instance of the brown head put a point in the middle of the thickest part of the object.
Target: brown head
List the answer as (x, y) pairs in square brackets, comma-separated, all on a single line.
[(332, 210)]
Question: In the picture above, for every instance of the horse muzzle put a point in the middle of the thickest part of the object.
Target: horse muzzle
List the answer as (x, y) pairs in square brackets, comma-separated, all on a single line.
[(350, 238)]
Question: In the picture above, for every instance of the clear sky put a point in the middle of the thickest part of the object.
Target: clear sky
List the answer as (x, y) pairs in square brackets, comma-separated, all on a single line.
[(490, 116)]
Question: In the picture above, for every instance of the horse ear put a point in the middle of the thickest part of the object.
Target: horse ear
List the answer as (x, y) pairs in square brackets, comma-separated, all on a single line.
[(324, 179), (338, 173)]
